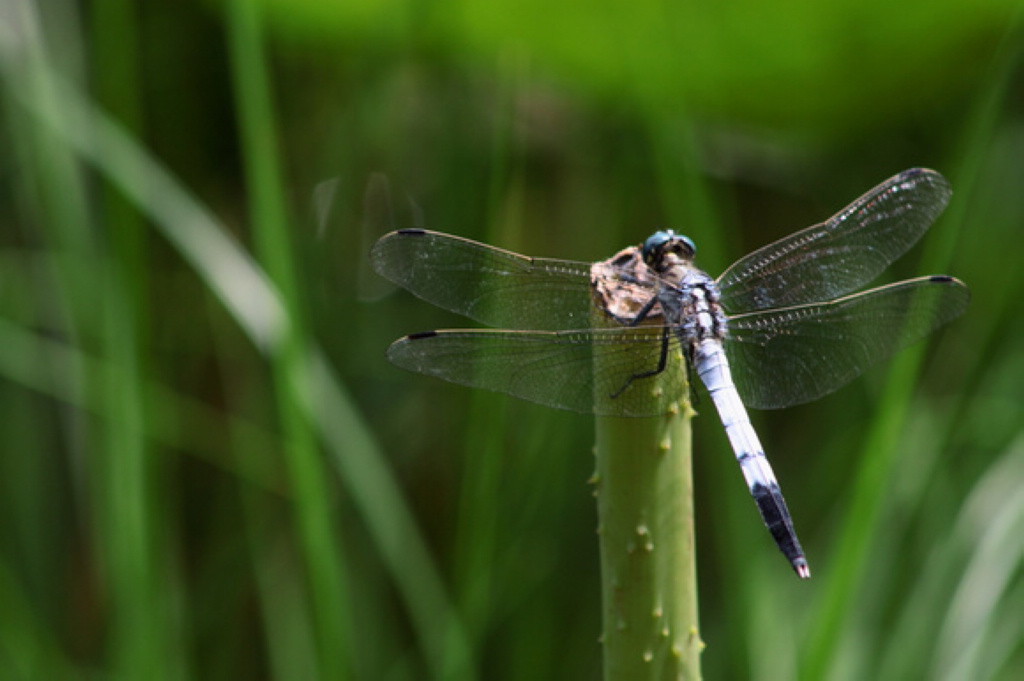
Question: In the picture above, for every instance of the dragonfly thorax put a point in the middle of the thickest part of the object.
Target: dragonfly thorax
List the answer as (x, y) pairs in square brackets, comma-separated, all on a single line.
[(688, 296), (691, 307)]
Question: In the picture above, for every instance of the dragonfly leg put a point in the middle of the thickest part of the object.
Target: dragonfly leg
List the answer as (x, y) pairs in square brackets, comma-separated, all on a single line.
[(642, 315), (662, 363)]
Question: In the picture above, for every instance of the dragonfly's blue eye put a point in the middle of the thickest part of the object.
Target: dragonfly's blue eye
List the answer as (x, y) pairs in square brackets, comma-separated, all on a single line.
[(690, 248), (667, 241)]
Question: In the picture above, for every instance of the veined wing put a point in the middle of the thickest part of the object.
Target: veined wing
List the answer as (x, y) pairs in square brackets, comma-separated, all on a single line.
[(836, 257), (490, 285), (798, 354), (556, 369)]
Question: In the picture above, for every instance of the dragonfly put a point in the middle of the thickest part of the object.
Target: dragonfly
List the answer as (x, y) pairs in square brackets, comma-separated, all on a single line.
[(781, 326)]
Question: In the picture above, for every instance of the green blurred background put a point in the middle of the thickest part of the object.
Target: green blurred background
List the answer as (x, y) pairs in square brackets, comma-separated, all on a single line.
[(209, 470)]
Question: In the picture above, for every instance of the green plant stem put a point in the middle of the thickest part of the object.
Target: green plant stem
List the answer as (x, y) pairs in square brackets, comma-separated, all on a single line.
[(644, 486), (144, 638), (289, 358)]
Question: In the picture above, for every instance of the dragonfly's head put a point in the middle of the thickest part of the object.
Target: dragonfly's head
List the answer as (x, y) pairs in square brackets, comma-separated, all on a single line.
[(660, 244)]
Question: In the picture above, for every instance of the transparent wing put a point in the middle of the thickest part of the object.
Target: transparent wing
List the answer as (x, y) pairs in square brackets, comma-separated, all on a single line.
[(798, 354), (490, 285), (556, 369), (836, 257)]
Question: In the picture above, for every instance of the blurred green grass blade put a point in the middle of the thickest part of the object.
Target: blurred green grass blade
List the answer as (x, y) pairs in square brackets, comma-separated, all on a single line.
[(145, 640), (175, 422), (961, 612), (476, 534), (848, 564), (287, 623), (974, 146), (29, 650), (142, 642), (190, 227), (483, 438), (362, 466), (879, 452), (315, 521), (141, 639), (252, 300), (282, 595), (991, 527)]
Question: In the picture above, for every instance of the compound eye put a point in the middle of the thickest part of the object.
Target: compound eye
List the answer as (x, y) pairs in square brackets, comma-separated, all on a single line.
[(668, 241), (655, 243), (687, 247)]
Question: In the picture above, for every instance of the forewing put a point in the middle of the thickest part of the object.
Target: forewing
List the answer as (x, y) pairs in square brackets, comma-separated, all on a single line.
[(490, 285), (583, 371), (798, 354), (836, 257)]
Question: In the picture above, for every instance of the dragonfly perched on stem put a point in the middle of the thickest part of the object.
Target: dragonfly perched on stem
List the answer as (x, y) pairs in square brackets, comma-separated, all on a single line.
[(779, 327)]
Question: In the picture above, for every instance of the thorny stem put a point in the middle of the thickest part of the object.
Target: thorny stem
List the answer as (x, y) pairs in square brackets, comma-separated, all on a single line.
[(644, 489)]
